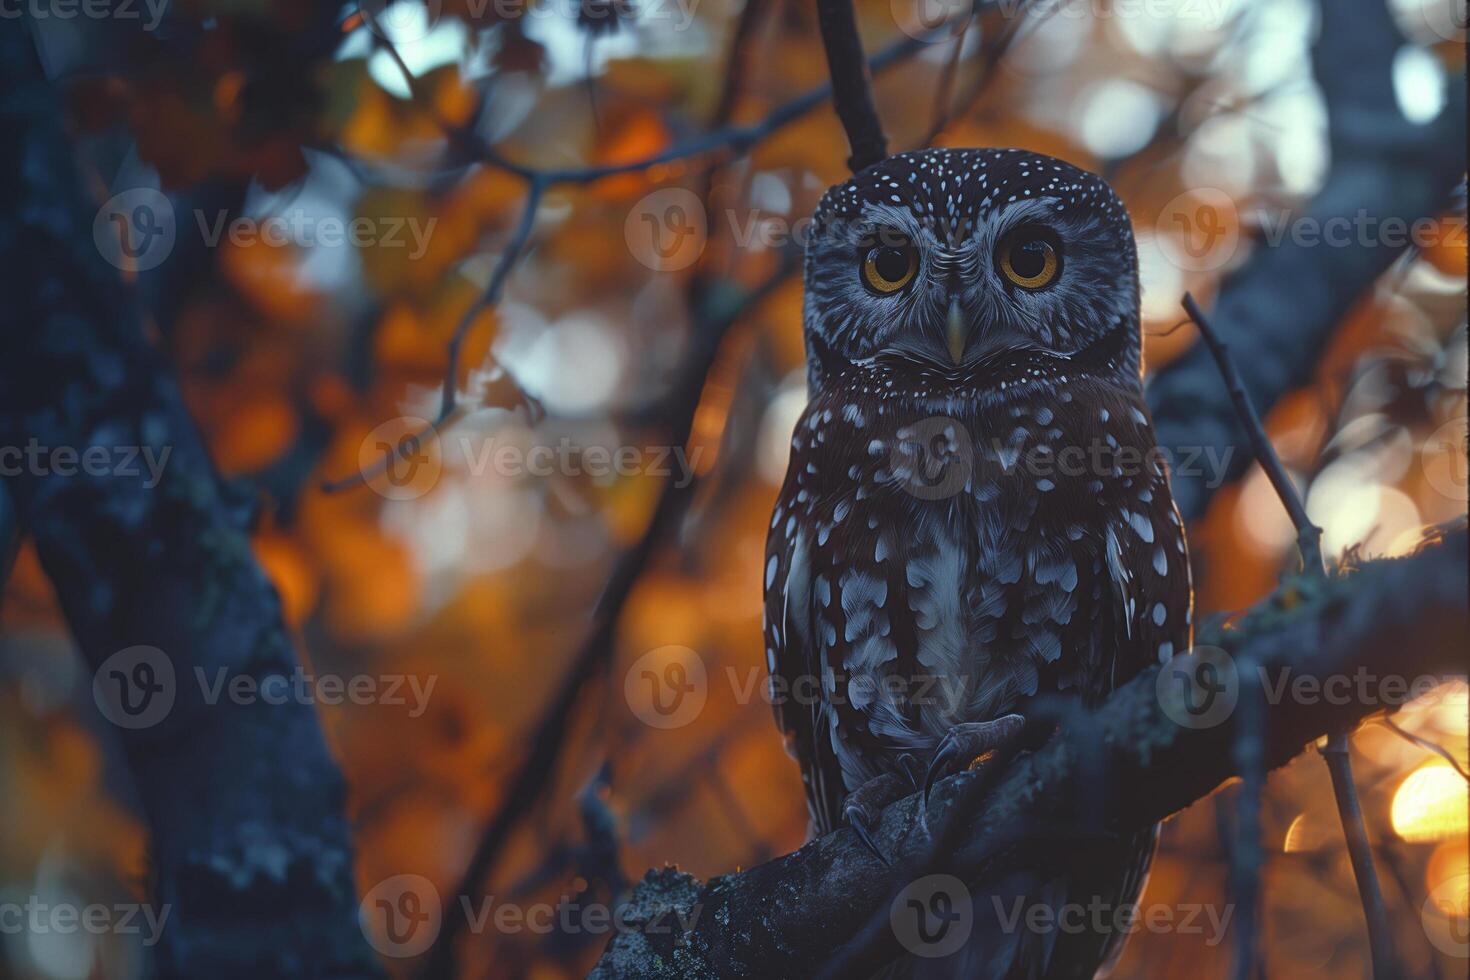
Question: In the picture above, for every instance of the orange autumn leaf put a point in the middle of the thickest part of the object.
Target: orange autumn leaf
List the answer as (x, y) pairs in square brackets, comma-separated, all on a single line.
[(266, 274), (257, 429), (290, 571)]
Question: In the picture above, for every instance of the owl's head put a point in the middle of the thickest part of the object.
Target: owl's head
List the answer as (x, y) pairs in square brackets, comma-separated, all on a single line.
[(973, 263)]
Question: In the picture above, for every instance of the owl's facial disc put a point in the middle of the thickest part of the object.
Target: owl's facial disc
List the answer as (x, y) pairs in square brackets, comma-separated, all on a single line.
[(912, 274), (967, 263)]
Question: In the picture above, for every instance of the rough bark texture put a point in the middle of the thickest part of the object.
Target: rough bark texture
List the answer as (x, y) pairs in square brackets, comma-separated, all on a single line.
[(1406, 618), (249, 846)]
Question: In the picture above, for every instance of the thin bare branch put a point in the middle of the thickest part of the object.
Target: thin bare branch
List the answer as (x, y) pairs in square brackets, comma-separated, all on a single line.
[(1308, 535), (1425, 743), (449, 408), (1335, 751), (852, 86)]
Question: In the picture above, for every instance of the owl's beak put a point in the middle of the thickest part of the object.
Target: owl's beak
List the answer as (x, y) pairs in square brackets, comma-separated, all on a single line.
[(956, 331)]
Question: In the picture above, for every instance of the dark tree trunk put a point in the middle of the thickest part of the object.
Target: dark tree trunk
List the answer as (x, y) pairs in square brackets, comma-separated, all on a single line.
[(249, 846)]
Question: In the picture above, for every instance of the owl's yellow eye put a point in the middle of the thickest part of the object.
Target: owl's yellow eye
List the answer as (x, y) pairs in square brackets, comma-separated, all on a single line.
[(1030, 257), (888, 268)]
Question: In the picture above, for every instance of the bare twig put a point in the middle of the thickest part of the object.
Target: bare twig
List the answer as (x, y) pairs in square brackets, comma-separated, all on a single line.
[(1425, 743), (1308, 535), (1360, 851), (449, 395), (737, 64), (944, 91), (852, 89), (727, 138), (1247, 855), (995, 42), (1335, 751), (732, 139)]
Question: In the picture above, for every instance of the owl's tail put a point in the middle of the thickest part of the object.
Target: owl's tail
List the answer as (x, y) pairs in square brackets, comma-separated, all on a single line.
[(1070, 924)]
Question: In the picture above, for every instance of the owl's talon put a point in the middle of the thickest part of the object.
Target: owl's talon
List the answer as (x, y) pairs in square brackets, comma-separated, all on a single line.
[(870, 798), (857, 818), (939, 767), (912, 768), (970, 742)]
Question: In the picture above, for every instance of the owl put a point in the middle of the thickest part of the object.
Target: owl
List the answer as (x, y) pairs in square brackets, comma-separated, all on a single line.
[(975, 514)]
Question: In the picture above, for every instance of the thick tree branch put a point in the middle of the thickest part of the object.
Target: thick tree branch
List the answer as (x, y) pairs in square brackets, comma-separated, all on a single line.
[(1279, 310), (249, 847), (1400, 618)]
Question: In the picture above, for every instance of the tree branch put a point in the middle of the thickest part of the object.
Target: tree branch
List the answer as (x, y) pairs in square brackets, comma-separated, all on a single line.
[(248, 845), (1394, 617), (1308, 535), (717, 310), (535, 771), (725, 137), (852, 87), (1281, 308), (1335, 751)]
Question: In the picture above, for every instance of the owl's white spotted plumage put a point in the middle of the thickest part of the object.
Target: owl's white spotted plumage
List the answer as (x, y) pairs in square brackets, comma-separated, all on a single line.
[(975, 514)]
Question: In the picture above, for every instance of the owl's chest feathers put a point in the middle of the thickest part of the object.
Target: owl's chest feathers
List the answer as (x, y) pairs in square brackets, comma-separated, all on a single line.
[(951, 549), (982, 469)]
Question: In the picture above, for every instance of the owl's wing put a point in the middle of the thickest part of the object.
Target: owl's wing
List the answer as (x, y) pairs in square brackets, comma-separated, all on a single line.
[(796, 669), (1147, 565), (1146, 616)]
